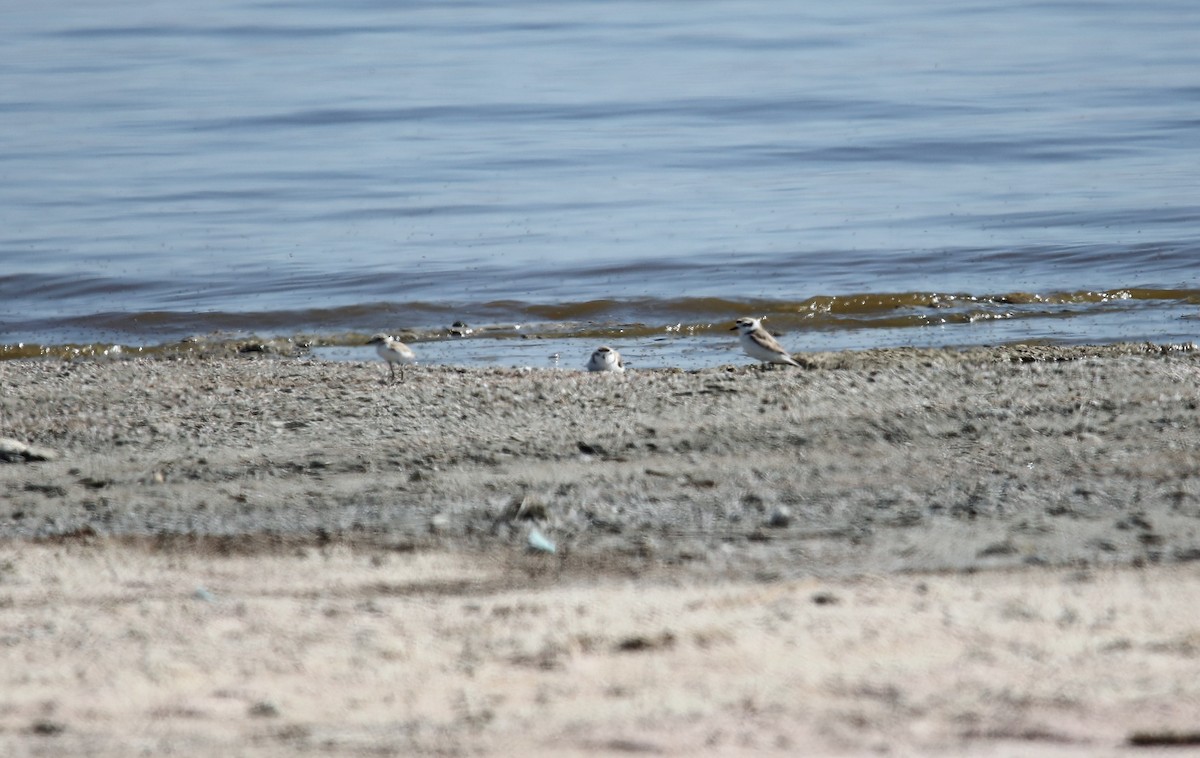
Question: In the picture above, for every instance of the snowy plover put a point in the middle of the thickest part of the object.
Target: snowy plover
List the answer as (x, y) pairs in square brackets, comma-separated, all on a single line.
[(605, 359), (758, 342), (393, 351)]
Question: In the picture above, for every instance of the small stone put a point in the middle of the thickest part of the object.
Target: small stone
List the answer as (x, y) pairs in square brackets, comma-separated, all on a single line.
[(15, 451), (640, 642), (780, 517), (264, 709), (526, 508), (47, 728), (439, 523), (825, 598), (1166, 738), (1003, 547), (589, 449)]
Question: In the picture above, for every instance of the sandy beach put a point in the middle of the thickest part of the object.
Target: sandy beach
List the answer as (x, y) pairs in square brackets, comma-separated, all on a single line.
[(909, 552)]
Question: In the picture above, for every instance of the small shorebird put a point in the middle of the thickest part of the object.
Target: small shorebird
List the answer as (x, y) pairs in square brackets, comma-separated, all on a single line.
[(758, 342), (393, 351), (606, 359)]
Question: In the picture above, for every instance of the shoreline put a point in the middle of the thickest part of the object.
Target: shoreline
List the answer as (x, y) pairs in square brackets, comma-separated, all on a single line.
[(835, 321), (566, 348), (1019, 527)]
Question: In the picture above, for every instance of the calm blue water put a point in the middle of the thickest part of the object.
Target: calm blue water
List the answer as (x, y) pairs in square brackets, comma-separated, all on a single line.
[(177, 168)]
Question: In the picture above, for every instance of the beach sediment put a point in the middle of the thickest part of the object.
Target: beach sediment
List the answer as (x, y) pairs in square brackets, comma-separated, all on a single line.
[(909, 459), (886, 469)]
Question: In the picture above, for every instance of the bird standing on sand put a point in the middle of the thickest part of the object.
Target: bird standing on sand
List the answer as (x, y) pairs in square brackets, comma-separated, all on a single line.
[(606, 359), (758, 342), (393, 351)]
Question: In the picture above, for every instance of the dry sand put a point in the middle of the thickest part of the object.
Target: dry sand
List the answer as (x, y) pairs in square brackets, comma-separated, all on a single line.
[(911, 552)]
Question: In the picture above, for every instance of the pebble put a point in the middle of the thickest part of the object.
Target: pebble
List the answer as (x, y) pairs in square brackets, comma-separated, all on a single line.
[(780, 517), (526, 508), (15, 451), (439, 523), (263, 709), (47, 728), (825, 598)]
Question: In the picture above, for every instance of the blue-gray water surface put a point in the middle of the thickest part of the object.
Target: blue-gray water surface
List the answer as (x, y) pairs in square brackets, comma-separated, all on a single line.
[(866, 173)]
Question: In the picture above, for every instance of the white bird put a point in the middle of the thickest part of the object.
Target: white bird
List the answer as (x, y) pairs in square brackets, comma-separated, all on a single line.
[(758, 342), (606, 359), (393, 351)]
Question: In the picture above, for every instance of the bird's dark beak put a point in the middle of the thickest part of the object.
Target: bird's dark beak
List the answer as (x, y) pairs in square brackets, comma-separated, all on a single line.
[(733, 328)]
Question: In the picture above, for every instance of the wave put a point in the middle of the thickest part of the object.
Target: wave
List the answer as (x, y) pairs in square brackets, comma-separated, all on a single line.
[(598, 318)]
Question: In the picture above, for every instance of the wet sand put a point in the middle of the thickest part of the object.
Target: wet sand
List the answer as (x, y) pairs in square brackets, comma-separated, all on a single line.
[(917, 551)]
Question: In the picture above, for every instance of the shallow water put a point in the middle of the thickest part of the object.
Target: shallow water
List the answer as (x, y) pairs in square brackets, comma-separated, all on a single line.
[(933, 174)]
